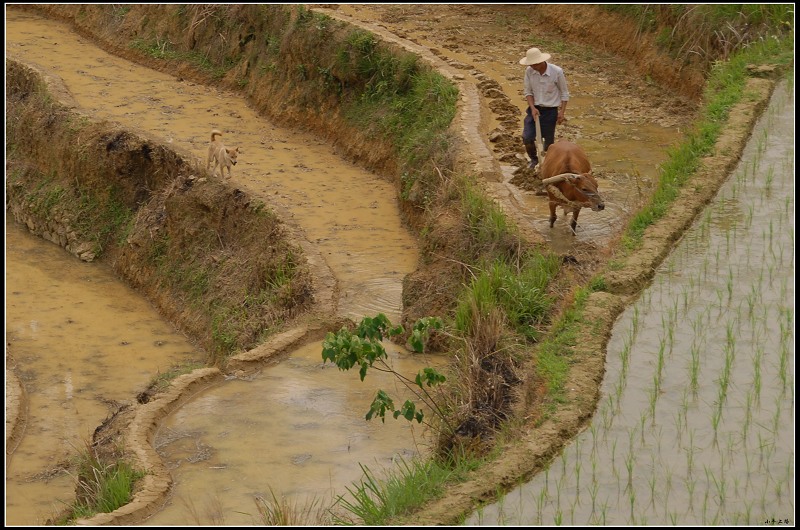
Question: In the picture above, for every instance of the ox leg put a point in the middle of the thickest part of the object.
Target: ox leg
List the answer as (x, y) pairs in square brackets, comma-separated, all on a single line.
[(574, 222), (552, 213)]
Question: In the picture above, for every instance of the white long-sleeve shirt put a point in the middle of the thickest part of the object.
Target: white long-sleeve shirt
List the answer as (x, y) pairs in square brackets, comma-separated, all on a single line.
[(548, 89)]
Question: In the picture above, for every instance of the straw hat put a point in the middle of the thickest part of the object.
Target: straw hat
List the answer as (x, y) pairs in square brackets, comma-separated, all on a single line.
[(534, 56)]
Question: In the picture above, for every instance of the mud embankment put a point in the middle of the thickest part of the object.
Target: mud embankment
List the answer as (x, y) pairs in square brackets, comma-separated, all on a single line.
[(110, 193), (175, 234)]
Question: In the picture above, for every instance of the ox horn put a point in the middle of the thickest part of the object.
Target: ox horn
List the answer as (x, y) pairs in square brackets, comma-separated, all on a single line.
[(557, 178)]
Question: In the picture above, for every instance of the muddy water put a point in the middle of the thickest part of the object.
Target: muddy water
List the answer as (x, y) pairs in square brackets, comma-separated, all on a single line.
[(316, 432), (297, 430), (81, 342), (697, 423), (349, 214)]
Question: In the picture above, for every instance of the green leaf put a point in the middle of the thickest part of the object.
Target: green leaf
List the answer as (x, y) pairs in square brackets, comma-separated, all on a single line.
[(379, 405), (430, 377), (421, 332), (409, 412)]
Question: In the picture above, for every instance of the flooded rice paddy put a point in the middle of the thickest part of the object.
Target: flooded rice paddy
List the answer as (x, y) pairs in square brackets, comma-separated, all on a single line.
[(696, 426), (81, 343), (297, 431), (239, 439)]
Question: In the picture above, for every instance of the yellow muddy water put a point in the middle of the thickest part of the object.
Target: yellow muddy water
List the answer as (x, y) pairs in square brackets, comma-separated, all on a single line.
[(81, 342), (296, 431), (351, 215), (316, 433)]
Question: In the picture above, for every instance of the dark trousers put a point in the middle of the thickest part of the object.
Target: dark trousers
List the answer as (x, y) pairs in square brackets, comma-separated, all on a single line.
[(548, 116)]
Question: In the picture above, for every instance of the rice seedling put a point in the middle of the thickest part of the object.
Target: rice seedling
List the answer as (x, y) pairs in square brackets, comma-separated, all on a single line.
[(783, 370), (705, 508), (748, 467), (660, 360), (690, 483), (729, 285), (679, 424), (734, 190), (694, 368), (776, 417), (720, 297), (603, 513), (771, 239), (559, 489), (575, 503), (751, 300), (653, 394), (757, 371), (614, 459), (594, 488), (652, 481), (546, 478), (716, 417), (761, 145), (748, 415), (769, 179), (736, 481), (540, 505), (625, 356), (629, 466), (632, 501), (748, 512)]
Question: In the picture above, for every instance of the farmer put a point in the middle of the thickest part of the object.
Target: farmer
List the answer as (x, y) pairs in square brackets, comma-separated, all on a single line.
[(545, 89)]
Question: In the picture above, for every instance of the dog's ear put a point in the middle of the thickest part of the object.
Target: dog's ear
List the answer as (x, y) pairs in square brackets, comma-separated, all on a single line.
[(238, 150)]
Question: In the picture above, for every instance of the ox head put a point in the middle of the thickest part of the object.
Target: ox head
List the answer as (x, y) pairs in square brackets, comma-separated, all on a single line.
[(580, 188)]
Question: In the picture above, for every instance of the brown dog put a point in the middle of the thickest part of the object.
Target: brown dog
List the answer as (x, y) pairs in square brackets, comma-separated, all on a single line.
[(223, 157)]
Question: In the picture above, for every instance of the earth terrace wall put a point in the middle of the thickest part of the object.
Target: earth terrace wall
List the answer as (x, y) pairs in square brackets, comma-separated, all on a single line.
[(593, 25), (59, 160), (55, 154), (287, 61), (282, 59)]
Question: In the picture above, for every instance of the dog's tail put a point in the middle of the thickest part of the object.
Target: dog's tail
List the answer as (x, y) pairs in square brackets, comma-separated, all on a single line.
[(215, 133)]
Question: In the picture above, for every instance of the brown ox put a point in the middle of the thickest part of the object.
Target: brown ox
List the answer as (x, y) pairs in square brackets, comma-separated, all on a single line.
[(567, 176)]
